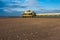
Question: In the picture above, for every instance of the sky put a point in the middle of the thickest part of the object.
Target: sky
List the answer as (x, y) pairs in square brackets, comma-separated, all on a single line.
[(22, 5)]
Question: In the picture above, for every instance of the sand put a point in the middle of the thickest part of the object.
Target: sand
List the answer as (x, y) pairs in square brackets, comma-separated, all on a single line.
[(29, 28)]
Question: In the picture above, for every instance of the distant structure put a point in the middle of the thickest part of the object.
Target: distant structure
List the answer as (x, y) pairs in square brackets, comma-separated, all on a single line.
[(29, 13), (49, 14)]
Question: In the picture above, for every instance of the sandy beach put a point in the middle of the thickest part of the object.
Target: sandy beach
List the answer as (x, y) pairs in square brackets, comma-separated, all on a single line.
[(29, 28)]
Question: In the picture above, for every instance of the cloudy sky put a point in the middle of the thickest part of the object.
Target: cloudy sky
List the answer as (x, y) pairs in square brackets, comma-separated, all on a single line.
[(21, 5)]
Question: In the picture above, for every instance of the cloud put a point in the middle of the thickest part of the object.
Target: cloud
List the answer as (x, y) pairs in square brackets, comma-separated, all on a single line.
[(30, 2), (21, 5)]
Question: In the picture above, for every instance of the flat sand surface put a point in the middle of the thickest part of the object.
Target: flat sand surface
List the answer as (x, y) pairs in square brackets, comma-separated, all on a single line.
[(29, 28)]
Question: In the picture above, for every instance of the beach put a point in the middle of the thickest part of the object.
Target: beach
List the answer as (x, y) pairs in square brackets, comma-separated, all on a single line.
[(29, 28)]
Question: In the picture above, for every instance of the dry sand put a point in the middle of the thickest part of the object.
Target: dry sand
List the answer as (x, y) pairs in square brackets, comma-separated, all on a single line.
[(29, 28)]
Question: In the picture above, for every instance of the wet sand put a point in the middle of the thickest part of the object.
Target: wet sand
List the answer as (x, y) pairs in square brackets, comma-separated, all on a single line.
[(29, 28)]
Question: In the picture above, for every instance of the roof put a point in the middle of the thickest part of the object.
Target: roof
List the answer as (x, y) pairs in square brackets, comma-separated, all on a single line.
[(28, 11)]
